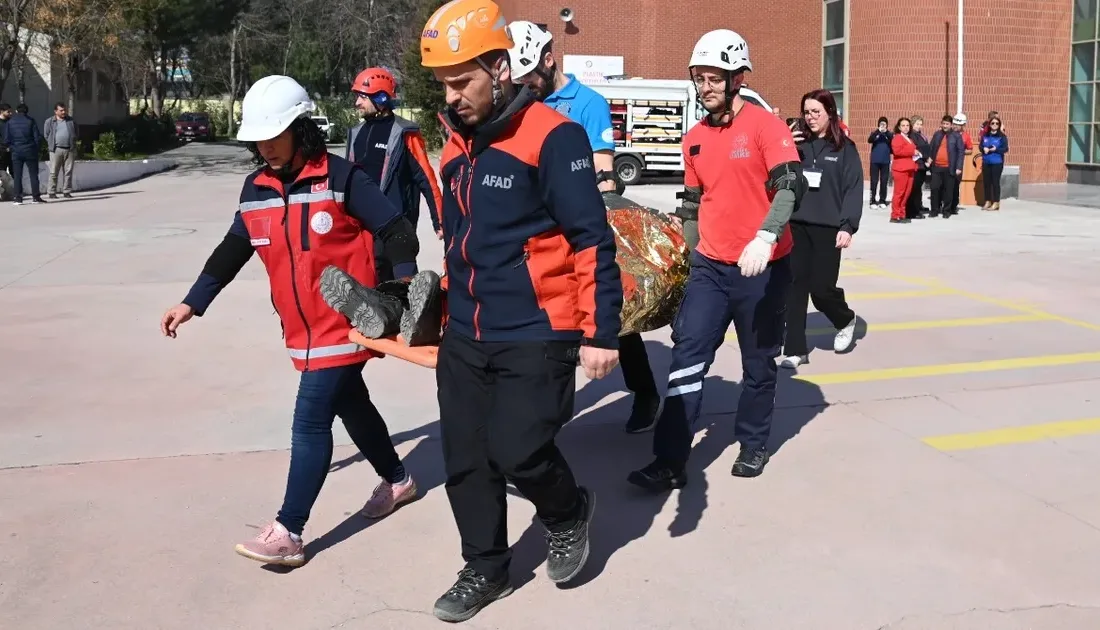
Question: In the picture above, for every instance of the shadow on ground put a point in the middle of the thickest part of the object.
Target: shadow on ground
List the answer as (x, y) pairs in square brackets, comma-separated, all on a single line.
[(602, 454)]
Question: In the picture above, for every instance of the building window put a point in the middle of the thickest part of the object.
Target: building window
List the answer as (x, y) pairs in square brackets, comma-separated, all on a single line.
[(103, 88), (1083, 145), (834, 37), (84, 85)]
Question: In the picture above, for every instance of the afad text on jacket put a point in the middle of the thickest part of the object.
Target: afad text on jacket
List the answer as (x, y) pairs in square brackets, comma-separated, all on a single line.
[(529, 254), (298, 230)]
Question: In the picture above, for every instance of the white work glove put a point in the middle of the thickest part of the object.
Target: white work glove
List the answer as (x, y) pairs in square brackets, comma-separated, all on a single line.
[(757, 254)]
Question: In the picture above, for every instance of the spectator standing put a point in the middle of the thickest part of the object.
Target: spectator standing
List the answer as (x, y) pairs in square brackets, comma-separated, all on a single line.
[(906, 157), (914, 207), (945, 159), (958, 123), (22, 137), (60, 132), (880, 161), (823, 226), (5, 152), (994, 146)]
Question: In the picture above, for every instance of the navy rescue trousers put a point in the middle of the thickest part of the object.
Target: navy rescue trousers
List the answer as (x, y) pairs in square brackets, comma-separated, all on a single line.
[(716, 295)]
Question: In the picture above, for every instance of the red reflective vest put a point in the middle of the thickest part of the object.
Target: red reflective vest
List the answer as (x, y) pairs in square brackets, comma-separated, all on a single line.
[(297, 232)]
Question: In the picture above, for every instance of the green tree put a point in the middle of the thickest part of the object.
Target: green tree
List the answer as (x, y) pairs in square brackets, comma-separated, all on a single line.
[(419, 90)]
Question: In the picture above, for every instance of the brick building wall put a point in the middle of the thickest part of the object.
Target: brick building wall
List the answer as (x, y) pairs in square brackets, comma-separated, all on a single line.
[(1016, 61), (655, 38), (1017, 55)]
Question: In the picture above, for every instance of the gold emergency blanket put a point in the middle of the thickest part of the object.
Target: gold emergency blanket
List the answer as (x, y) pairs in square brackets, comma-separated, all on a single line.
[(653, 258)]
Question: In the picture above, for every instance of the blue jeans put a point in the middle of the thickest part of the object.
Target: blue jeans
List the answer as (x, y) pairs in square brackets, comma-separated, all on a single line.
[(716, 295), (323, 395)]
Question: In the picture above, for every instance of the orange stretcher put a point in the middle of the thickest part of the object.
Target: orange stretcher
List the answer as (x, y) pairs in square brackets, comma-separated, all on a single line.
[(424, 356)]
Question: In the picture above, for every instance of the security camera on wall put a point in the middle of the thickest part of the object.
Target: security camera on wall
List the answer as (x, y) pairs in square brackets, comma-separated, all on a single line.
[(566, 15)]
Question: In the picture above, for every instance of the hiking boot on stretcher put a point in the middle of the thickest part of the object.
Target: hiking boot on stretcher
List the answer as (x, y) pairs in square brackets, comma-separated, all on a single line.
[(374, 313), (420, 325)]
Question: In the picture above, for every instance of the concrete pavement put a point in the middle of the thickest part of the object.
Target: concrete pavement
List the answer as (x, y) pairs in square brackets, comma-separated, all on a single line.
[(940, 476)]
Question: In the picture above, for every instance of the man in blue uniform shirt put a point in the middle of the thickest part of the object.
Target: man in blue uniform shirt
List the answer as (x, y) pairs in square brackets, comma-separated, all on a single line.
[(532, 63)]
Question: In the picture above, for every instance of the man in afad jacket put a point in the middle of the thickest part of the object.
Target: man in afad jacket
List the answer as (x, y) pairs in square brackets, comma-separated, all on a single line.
[(391, 151), (533, 291), (946, 164)]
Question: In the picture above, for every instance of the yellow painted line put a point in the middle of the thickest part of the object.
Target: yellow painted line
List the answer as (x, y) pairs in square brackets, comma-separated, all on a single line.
[(857, 272), (948, 369), (1013, 435), (926, 324), (1019, 307), (898, 295)]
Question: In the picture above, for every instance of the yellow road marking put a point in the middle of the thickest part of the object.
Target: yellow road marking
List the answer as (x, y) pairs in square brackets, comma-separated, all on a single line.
[(1019, 307), (1013, 435), (856, 272), (947, 369), (926, 324), (897, 295)]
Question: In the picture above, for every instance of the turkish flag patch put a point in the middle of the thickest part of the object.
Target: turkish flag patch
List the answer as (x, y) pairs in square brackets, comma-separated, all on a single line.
[(321, 186)]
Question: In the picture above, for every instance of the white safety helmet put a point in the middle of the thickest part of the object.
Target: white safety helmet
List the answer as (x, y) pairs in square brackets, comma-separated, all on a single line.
[(270, 106), (721, 49), (529, 40), (960, 119)]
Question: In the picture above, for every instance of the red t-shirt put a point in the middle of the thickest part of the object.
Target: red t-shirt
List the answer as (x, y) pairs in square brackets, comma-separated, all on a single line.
[(731, 164)]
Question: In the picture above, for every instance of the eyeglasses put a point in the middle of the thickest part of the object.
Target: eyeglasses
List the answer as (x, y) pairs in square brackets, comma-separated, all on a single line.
[(706, 81)]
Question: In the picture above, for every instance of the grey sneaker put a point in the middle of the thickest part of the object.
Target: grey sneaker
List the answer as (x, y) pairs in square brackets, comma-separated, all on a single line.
[(470, 593), (569, 549), (374, 314)]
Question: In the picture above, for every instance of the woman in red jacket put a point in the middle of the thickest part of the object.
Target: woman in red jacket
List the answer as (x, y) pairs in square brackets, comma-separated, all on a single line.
[(904, 169)]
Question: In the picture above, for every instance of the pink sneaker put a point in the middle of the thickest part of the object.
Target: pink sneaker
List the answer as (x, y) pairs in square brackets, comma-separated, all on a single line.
[(274, 546), (388, 496)]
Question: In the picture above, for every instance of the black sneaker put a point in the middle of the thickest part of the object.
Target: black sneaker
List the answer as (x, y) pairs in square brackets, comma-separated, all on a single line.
[(53, 195), (423, 317), (373, 313), (659, 477), (469, 595), (67, 195), (750, 463), (643, 415), (569, 549)]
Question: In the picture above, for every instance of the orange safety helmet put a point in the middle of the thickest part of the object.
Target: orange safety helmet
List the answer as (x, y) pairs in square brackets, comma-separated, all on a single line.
[(375, 81), (461, 31)]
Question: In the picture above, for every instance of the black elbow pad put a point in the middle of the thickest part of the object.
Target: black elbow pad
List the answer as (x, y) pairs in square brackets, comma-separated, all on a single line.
[(788, 176), (399, 241), (689, 209)]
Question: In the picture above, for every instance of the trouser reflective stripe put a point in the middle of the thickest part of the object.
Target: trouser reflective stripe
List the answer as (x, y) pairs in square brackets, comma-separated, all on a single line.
[(716, 295), (325, 351)]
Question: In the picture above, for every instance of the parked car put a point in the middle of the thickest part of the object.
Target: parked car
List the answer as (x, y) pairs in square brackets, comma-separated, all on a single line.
[(194, 126), (324, 124)]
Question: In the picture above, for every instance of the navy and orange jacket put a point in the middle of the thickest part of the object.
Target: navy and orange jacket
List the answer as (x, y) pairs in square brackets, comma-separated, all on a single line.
[(529, 254), (326, 216), (407, 173)]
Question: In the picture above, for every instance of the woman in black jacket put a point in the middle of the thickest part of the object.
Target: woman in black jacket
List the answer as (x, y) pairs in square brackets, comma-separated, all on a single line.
[(914, 207), (822, 225)]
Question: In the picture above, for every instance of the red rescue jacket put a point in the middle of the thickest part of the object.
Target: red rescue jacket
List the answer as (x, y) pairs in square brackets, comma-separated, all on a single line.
[(297, 232)]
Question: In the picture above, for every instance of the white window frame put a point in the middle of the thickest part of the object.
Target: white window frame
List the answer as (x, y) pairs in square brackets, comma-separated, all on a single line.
[(843, 40), (1092, 125)]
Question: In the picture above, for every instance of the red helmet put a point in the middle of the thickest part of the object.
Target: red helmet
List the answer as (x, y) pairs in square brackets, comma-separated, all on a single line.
[(374, 81)]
